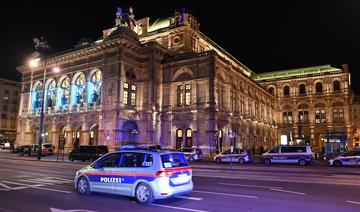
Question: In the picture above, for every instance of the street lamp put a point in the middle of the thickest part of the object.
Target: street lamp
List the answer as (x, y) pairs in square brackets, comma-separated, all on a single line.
[(231, 136), (35, 63)]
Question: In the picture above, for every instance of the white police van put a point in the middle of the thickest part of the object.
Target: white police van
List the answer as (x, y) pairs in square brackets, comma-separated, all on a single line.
[(301, 155), (143, 174)]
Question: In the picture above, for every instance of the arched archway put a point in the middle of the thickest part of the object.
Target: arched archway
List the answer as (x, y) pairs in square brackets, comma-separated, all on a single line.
[(93, 134), (130, 133)]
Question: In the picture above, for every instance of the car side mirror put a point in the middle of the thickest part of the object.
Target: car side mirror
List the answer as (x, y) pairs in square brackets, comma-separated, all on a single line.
[(97, 165)]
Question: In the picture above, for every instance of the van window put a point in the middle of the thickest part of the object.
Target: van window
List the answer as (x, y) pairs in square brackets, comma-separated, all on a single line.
[(274, 150), (293, 149), (173, 160)]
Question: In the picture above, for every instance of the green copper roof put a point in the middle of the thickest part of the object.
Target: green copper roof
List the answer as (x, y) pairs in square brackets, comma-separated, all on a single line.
[(296, 73), (159, 23)]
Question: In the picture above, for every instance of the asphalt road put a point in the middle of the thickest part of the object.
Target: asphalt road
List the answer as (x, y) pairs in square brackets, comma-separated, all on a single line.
[(47, 186)]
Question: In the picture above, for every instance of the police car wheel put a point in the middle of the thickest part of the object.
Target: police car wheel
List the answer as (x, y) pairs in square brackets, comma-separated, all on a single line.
[(302, 162), (72, 158), (218, 160), (267, 161), (83, 186), (143, 194), (241, 161), (337, 163)]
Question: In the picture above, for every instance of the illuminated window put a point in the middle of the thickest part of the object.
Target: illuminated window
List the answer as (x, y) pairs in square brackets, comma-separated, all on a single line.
[(287, 117), (37, 96), (183, 95), (233, 102), (65, 91), (129, 94), (95, 87), (241, 105), (80, 89), (51, 94), (303, 117), (338, 115), (220, 96), (320, 116)]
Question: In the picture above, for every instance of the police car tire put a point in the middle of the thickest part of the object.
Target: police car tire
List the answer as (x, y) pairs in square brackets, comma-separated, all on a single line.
[(218, 160), (85, 183), (72, 158), (337, 163), (267, 161), (241, 161), (141, 190), (302, 162)]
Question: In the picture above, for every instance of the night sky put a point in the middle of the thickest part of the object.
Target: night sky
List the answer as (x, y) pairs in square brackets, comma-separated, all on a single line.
[(263, 35)]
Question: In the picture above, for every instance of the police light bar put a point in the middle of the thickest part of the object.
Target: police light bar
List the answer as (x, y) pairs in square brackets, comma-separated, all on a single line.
[(127, 147)]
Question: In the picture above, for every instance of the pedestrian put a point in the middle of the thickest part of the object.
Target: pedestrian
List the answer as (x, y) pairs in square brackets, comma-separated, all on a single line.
[(261, 150), (253, 150)]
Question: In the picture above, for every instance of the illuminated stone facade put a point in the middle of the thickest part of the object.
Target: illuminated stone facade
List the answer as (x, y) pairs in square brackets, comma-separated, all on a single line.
[(10, 98), (310, 101), (166, 84)]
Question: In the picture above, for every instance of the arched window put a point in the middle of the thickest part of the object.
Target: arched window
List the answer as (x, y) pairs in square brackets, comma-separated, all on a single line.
[(130, 88), (95, 87), (271, 90), (189, 141), (336, 86), (302, 90), (51, 94), (286, 91), (179, 138), (80, 89), (318, 87), (65, 92), (37, 97)]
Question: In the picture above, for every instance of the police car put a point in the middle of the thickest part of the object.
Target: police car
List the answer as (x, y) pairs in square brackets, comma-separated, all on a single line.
[(143, 174), (351, 158), (297, 154), (237, 155)]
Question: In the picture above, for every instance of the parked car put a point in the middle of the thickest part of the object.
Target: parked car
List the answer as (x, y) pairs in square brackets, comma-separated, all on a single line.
[(21, 149), (298, 154), (351, 158), (88, 152), (191, 154), (47, 149), (238, 155)]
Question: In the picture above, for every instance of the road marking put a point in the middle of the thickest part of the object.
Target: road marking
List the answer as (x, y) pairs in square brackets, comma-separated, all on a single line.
[(38, 186), (349, 201), (178, 208), (287, 191), (71, 210), (34, 181), (191, 198), (226, 194), (247, 185), (8, 188)]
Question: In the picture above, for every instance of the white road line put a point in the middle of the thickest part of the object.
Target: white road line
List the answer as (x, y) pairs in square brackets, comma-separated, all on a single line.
[(34, 181), (178, 208), (247, 185), (191, 198), (349, 201), (38, 186), (226, 194), (287, 191), (8, 188)]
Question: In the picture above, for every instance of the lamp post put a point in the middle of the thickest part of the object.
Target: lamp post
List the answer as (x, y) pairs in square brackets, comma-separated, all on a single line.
[(34, 63), (231, 136)]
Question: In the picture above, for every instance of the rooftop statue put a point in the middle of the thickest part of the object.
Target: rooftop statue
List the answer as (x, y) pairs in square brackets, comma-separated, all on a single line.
[(41, 44), (126, 18)]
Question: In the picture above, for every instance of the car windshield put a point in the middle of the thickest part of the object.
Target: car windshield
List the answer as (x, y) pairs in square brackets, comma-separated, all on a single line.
[(171, 160), (47, 146)]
